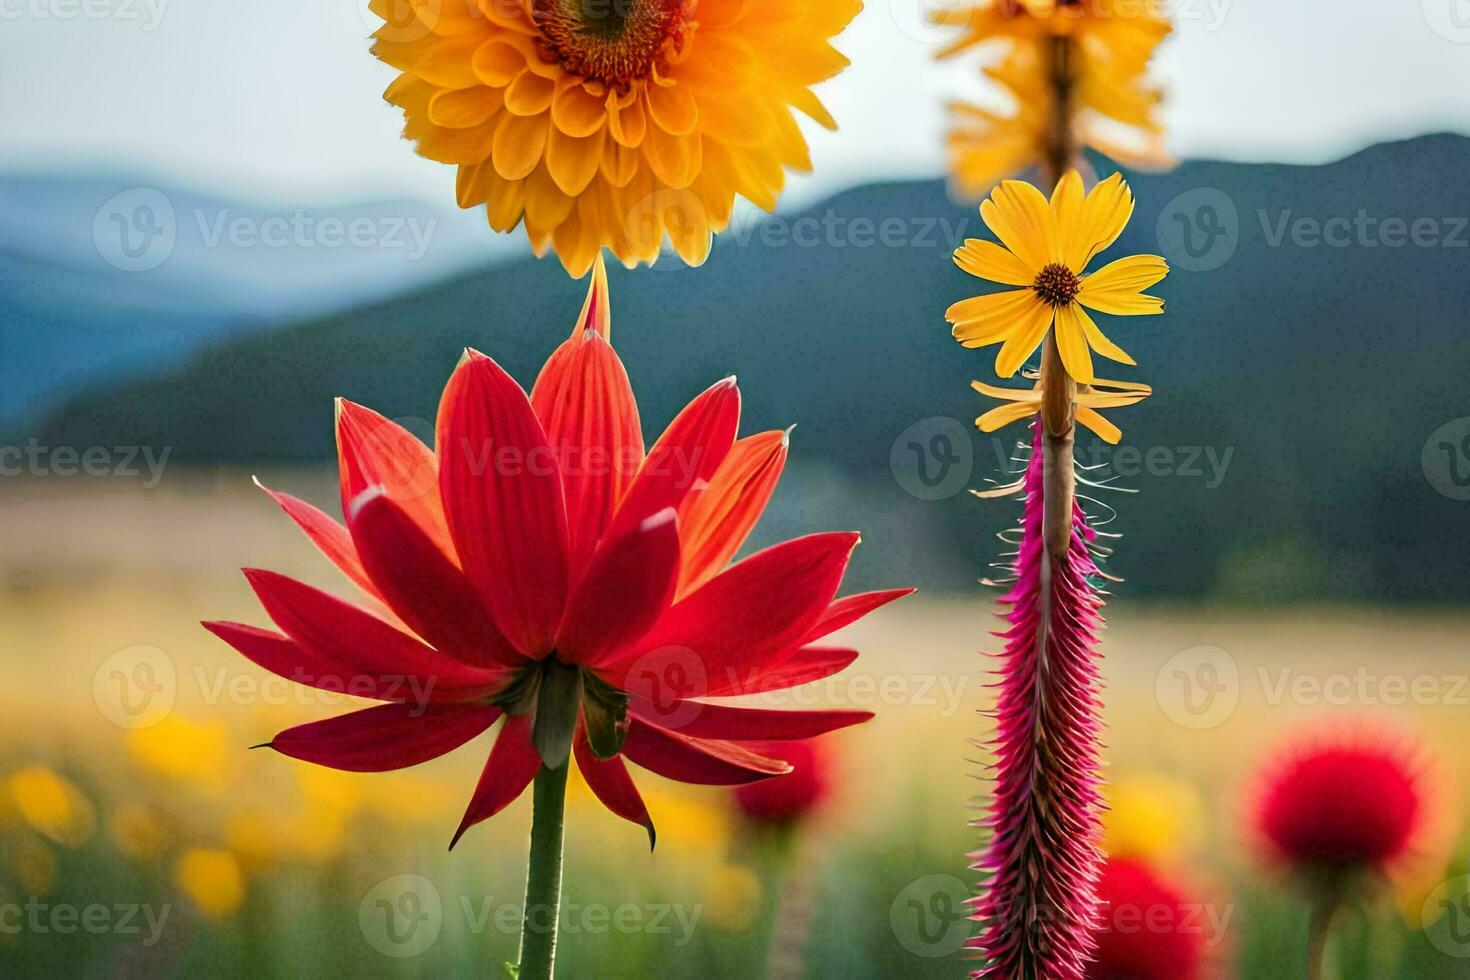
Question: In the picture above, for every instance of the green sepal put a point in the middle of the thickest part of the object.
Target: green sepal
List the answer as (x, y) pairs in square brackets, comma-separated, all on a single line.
[(605, 712), (556, 712)]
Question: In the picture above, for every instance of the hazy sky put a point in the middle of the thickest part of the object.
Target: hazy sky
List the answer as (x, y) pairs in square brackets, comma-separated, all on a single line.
[(279, 99)]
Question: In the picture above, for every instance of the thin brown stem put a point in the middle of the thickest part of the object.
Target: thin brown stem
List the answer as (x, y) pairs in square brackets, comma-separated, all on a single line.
[(1324, 913)]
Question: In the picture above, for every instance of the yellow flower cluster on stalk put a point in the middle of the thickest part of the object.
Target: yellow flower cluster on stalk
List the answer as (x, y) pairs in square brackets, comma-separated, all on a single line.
[(1076, 72), (1044, 250)]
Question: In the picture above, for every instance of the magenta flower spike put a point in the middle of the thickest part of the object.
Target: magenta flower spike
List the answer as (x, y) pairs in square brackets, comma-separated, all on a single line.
[(1041, 865)]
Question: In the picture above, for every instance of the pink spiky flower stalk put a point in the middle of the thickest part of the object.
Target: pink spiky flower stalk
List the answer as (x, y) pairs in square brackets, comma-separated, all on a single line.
[(1038, 904)]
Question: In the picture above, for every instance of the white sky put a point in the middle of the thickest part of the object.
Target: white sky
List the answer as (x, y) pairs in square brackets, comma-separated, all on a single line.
[(279, 99)]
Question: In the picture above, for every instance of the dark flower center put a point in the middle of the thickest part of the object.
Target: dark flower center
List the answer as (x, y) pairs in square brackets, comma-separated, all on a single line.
[(617, 42), (1057, 284)]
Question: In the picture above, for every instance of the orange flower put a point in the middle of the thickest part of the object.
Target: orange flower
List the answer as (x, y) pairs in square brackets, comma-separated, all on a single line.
[(612, 123)]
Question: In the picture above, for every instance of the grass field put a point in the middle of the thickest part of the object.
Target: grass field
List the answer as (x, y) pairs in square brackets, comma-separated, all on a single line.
[(140, 836)]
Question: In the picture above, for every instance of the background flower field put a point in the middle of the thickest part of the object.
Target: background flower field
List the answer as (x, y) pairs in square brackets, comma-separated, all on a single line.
[(128, 784)]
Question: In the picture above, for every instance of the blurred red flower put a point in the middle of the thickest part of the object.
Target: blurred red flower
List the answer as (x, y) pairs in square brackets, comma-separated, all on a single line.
[(538, 565), (1149, 927), (1347, 801), (787, 799)]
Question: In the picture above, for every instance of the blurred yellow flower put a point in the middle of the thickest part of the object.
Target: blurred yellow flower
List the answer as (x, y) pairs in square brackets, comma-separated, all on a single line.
[(732, 898), (34, 865), (212, 880), (52, 805), (1154, 816), (688, 826), (137, 832), (179, 748), (256, 836)]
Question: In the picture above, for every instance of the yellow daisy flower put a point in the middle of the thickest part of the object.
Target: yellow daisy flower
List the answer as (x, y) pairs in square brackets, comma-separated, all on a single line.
[(1045, 246), (1024, 402), (1114, 113), (612, 123)]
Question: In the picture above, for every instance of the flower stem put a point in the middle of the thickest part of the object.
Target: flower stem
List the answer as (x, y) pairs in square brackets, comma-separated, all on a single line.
[(543, 875), (1324, 913)]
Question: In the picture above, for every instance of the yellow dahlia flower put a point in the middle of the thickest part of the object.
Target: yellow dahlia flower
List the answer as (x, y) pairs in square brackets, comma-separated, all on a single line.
[(1045, 246), (612, 123), (1023, 403)]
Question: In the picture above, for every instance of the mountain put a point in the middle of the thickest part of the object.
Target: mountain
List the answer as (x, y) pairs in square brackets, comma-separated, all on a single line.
[(1316, 338), (110, 277)]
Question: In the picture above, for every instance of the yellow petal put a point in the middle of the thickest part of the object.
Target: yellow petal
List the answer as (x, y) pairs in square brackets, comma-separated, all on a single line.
[(982, 320), (1097, 340), (449, 63), (1106, 431), (496, 62), (988, 260), (1072, 345), (674, 159), (576, 111), (506, 203), (465, 107), (519, 141), (1105, 214), (1003, 415), (673, 109), (546, 205), (1067, 204), (619, 163), (627, 123), (1026, 337), (529, 94), (1007, 394), (1130, 274), (1023, 220), (573, 162)]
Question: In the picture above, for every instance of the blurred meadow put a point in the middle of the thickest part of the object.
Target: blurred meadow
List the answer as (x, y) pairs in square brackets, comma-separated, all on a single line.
[(140, 836)]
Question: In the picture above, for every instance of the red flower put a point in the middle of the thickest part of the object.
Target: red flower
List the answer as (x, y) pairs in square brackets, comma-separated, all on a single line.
[(537, 565), (787, 799), (1149, 928), (1336, 804)]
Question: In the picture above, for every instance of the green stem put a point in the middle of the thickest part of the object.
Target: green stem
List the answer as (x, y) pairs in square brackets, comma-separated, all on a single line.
[(543, 875), (1324, 912)]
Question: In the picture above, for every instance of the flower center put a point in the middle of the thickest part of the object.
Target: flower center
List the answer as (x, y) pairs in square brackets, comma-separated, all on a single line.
[(1057, 284), (617, 42)]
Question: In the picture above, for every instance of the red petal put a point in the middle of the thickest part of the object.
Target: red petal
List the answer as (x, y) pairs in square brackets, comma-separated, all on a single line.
[(849, 609), (387, 736), (743, 618), (513, 763), (353, 640), (375, 451), (503, 497), (686, 456), (330, 537), (425, 588), (586, 405), (714, 524), (745, 724), (627, 588), (802, 667), (695, 760), (610, 783)]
